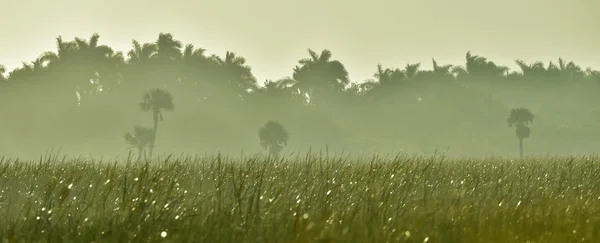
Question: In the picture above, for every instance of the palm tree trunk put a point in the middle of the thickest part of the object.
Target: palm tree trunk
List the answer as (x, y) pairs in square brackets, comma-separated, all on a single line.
[(155, 116), (521, 147), (140, 153)]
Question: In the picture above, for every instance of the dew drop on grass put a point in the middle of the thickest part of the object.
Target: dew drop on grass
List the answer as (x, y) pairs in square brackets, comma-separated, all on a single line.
[(70, 186), (163, 234), (305, 216)]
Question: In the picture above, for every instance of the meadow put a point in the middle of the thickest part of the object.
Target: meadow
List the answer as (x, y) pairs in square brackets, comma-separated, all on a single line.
[(300, 198)]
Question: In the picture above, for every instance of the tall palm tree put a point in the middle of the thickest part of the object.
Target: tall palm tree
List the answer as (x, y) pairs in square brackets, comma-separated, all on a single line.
[(479, 66), (81, 64), (443, 71), (236, 73), (570, 71), (321, 74), (521, 118), (155, 101), (412, 70), (386, 81), (141, 138), (142, 53), (167, 47), (273, 137)]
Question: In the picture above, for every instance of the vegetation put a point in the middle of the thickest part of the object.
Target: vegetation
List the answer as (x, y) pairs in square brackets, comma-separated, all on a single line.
[(273, 137), (301, 199), (87, 90), (142, 137), (520, 118), (155, 101)]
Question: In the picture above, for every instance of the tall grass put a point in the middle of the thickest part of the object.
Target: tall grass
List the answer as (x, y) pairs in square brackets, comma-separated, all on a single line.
[(301, 199)]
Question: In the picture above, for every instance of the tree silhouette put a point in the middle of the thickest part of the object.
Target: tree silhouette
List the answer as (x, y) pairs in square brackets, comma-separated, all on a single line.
[(520, 118), (2, 71), (236, 73), (84, 70), (319, 75), (167, 47), (273, 137), (156, 100), (141, 138)]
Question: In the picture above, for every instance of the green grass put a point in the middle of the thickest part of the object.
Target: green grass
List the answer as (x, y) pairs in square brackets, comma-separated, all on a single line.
[(301, 199)]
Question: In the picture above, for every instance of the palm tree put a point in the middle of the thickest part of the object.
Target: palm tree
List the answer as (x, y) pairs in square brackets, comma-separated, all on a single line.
[(142, 53), (167, 47), (479, 66), (386, 81), (236, 73), (412, 70), (520, 117), (442, 72), (156, 100), (81, 64), (320, 73), (2, 71), (142, 137), (273, 137)]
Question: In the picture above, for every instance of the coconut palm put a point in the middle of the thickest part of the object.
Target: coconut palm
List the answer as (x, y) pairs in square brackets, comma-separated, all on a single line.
[(141, 138), (520, 118), (273, 137), (155, 101)]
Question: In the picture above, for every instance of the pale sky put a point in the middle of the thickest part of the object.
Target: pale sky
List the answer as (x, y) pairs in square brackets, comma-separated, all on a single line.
[(274, 34)]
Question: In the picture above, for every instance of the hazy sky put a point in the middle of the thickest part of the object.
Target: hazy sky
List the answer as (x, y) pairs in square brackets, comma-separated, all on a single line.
[(274, 34)]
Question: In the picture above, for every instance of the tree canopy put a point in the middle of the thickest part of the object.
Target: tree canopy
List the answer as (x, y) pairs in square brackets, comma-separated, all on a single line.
[(81, 96)]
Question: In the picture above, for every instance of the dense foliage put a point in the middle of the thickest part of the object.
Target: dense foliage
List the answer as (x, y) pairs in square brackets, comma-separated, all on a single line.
[(82, 97)]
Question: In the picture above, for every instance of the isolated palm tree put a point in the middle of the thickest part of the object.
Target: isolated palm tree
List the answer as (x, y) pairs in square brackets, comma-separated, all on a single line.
[(155, 101), (273, 137), (141, 138), (520, 118)]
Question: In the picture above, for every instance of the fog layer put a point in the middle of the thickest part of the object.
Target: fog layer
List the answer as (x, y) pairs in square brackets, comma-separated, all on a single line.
[(83, 97)]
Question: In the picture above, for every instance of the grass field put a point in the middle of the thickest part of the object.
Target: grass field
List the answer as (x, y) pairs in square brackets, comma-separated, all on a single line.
[(301, 199)]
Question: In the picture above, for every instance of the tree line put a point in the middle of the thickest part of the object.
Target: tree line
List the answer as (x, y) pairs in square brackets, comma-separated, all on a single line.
[(79, 97)]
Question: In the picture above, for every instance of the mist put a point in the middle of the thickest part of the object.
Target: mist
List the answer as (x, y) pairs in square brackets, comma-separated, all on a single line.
[(83, 97)]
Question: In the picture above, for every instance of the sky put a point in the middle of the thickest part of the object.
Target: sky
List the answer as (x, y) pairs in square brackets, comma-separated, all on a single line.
[(273, 34)]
